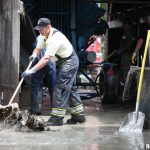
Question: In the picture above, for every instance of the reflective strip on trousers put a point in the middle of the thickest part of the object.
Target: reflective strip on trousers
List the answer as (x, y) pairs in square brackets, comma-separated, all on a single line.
[(58, 112), (77, 110)]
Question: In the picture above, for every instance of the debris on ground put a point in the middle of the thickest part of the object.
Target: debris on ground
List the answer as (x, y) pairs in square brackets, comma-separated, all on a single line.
[(11, 115)]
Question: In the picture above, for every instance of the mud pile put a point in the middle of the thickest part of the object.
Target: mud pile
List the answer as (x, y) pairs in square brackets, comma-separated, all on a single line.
[(11, 115)]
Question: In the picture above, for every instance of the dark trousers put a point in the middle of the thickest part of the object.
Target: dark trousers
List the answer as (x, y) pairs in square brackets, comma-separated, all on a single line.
[(65, 91), (49, 72)]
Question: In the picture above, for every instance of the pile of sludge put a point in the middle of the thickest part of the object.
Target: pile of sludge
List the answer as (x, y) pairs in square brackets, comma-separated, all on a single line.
[(11, 115)]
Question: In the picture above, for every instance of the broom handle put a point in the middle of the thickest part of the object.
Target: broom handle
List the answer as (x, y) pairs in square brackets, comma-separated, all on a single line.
[(14, 94), (142, 72), (111, 54)]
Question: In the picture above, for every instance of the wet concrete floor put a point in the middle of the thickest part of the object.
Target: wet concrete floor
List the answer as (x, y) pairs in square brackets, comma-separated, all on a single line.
[(100, 132)]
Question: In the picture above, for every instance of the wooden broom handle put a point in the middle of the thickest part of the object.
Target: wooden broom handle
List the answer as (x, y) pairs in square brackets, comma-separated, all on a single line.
[(19, 85)]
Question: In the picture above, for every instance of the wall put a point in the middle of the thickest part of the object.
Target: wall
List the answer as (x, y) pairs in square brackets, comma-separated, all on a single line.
[(9, 48)]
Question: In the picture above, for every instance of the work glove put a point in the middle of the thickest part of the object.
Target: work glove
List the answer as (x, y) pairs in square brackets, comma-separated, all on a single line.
[(134, 57), (28, 72), (32, 57)]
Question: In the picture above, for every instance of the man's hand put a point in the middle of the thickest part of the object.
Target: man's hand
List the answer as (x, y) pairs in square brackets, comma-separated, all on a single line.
[(28, 72), (32, 57), (134, 57)]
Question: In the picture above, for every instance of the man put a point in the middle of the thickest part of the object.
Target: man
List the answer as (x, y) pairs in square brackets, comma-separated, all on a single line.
[(48, 72), (59, 49), (140, 46), (127, 43)]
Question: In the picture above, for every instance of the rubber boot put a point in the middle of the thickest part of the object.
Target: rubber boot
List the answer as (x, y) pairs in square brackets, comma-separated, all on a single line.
[(76, 119), (54, 121)]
